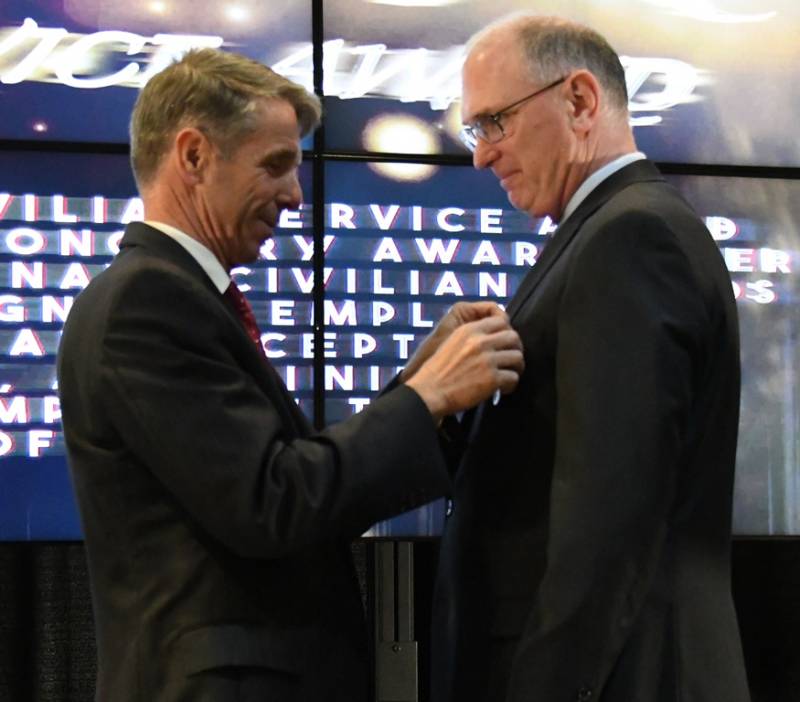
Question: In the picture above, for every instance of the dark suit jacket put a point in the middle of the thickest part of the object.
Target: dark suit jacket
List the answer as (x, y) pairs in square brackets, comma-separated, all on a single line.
[(216, 524), (587, 555)]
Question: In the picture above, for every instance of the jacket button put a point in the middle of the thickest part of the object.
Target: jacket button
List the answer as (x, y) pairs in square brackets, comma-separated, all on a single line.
[(448, 510), (584, 694)]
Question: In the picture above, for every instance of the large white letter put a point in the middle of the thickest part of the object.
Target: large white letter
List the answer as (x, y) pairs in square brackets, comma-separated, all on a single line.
[(48, 39), (71, 59)]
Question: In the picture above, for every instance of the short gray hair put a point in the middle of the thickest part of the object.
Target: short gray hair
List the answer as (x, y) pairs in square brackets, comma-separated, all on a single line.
[(553, 46), (216, 92)]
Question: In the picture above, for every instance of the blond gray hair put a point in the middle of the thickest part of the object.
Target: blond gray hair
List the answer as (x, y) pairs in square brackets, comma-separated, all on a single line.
[(216, 92)]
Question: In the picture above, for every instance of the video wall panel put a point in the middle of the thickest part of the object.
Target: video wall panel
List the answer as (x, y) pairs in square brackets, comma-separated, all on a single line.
[(399, 252), (709, 82), (404, 242), (72, 68), (61, 220), (757, 226)]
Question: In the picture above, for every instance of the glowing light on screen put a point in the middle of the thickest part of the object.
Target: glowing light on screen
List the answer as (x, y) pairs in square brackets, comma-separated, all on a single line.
[(401, 133), (40, 127), (706, 11), (157, 7), (404, 172), (416, 3), (451, 123), (237, 13)]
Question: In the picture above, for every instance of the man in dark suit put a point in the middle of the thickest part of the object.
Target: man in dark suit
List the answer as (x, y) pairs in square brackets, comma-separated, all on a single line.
[(216, 522), (586, 557)]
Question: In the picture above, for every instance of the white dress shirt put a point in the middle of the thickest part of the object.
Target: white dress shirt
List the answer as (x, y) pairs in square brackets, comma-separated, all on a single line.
[(596, 178), (200, 253)]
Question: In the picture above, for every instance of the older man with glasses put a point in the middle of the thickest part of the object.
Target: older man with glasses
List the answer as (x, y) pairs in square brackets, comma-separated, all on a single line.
[(586, 556)]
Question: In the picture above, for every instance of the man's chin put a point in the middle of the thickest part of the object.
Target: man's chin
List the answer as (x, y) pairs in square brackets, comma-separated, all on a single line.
[(250, 254), (518, 202), (525, 202)]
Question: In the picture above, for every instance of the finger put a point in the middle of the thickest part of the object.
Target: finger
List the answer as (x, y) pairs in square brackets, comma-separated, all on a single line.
[(509, 359), (504, 339), (487, 309), (489, 325), (507, 380), (473, 311)]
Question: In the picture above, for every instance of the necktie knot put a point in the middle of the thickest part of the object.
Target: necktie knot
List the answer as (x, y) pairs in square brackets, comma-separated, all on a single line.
[(245, 312)]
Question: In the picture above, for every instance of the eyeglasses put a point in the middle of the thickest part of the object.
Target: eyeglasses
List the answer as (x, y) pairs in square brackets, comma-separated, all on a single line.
[(489, 128)]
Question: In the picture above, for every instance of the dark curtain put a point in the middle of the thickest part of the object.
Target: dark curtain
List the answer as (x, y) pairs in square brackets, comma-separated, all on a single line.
[(47, 651)]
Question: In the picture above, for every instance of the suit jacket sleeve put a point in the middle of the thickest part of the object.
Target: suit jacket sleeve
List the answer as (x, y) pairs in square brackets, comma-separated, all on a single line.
[(451, 433), (178, 395), (630, 330)]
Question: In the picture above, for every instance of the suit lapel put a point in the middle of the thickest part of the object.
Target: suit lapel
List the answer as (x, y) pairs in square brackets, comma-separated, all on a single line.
[(267, 377), (163, 246), (636, 172), (563, 235)]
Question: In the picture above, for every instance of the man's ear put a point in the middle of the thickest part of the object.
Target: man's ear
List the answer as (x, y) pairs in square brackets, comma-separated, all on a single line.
[(585, 97), (193, 154)]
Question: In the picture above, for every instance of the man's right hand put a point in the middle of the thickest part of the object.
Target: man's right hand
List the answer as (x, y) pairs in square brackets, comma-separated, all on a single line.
[(476, 359), (458, 314)]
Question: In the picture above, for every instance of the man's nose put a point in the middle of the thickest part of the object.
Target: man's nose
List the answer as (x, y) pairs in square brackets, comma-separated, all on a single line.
[(484, 154), (292, 195)]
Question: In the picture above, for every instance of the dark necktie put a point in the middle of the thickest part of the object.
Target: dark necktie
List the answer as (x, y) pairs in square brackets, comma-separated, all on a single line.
[(245, 312)]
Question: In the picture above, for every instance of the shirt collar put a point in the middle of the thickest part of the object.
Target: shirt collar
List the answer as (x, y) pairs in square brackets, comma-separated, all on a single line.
[(596, 178), (200, 253)]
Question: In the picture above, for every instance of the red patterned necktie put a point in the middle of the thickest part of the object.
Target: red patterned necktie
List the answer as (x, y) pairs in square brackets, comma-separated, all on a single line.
[(245, 312)]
